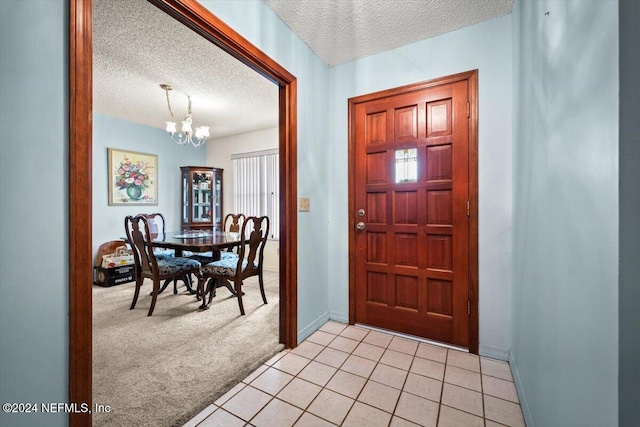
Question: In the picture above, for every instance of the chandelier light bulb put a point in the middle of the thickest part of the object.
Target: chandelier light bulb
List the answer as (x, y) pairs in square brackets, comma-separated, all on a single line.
[(202, 132), (186, 125)]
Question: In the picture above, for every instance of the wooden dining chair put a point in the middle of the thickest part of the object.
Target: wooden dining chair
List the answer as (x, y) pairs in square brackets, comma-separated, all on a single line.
[(156, 228), (254, 233), (147, 265), (233, 224)]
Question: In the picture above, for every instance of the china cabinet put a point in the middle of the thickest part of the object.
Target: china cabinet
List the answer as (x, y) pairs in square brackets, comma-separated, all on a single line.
[(201, 197)]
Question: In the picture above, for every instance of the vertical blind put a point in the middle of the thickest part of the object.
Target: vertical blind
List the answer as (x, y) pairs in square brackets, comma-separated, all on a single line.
[(256, 186)]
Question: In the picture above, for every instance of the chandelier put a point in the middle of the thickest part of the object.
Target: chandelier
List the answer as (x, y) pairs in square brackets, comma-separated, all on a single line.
[(187, 136)]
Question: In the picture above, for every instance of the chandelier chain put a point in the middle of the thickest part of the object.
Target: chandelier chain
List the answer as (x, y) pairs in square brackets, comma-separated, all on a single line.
[(169, 103)]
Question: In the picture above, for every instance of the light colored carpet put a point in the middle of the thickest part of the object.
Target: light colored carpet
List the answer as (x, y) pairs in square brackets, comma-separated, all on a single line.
[(164, 369)]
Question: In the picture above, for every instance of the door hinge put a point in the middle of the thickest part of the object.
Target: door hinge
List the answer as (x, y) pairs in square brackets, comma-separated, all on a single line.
[(468, 109), (468, 307), (468, 208)]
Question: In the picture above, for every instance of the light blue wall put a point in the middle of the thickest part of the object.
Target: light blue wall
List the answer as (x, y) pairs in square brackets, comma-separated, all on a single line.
[(629, 297), (256, 22), (486, 47), (33, 207), (565, 282), (109, 132), (565, 196)]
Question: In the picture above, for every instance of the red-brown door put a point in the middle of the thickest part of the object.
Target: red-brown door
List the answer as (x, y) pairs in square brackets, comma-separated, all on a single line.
[(411, 196)]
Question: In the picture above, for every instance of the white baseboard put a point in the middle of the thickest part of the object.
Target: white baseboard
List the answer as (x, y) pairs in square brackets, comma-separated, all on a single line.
[(520, 390), (506, 355), (493, 352), (339, 317), (312, 327)]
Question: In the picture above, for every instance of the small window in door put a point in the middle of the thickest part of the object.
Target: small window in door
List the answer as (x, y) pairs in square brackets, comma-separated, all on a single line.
[(407, 165)]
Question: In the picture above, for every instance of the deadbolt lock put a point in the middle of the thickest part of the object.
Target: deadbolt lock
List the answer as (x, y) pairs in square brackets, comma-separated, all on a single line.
[(360, 212)]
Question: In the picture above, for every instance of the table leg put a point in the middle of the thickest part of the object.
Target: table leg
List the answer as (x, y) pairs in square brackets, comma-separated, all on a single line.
[(187, 282)]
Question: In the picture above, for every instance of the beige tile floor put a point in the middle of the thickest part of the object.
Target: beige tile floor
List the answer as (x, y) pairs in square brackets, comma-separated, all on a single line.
[(349, 376)]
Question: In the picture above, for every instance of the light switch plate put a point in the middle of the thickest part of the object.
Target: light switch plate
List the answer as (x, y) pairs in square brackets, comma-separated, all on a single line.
[(304, 204)]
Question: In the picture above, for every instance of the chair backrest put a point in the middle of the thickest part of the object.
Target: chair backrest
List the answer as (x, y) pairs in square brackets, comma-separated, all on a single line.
[(139, 236), (233, 223), (156, 223), (255, 231)]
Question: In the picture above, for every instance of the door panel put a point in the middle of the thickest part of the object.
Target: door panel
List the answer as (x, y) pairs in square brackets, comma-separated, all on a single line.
[(411, 177), (406, 123)]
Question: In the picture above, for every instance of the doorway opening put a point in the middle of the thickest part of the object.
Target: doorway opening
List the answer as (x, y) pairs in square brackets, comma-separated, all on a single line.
[(202, 21)]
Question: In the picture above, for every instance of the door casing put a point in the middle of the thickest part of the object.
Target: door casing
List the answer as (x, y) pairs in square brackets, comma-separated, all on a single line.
[(201, 20), (472, 78)]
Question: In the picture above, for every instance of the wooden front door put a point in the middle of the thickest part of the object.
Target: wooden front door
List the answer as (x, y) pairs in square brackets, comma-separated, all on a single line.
[(411, 198)]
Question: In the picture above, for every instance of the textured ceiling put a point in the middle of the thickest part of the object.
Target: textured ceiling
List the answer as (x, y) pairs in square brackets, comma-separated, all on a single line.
[(137, 47), (340, 31)]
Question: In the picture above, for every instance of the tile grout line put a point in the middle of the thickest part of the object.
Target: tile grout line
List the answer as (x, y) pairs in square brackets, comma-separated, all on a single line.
[(465, 388), (259, 410), (444, 375), (413, 338), (484, 410), (367, 379), (217, 407), (414, 356), (324, 387), (321, 387), (393, 413)]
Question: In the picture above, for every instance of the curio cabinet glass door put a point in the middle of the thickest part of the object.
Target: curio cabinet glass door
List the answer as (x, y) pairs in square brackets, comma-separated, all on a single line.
[(201, 197)]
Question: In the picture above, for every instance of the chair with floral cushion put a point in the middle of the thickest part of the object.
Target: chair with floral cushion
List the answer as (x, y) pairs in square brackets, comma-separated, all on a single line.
[(147, 265), (232, 224), (157, 228), (254, 233)]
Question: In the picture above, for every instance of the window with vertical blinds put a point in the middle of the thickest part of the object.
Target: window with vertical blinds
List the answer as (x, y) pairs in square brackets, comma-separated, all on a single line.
[(256, 186)]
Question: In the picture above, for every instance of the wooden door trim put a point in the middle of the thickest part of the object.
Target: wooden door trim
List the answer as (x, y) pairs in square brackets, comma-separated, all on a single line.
[(472, 78), (201, 20), (80, 202)]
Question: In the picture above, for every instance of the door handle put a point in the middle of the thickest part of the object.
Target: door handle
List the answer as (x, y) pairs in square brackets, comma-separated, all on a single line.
[(360, 226)]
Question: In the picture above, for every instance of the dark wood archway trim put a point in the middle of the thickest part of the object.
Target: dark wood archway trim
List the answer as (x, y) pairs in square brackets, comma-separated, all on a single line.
[(80, 245), (198, 18), (472, 78)]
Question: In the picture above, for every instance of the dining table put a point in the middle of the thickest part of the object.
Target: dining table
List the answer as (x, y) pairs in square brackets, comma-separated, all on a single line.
[(197, 241)]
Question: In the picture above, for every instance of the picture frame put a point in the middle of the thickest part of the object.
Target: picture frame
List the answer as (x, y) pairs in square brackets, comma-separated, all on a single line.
[(133, 178)]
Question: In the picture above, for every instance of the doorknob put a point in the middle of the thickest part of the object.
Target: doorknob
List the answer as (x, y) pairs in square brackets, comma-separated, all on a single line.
[(360, 226)]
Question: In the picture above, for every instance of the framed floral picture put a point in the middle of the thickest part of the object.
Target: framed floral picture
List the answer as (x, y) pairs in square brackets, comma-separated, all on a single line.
[(133, 178)]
